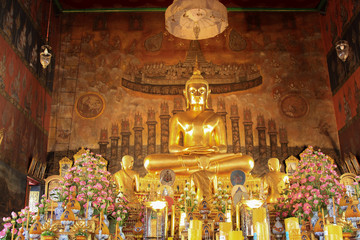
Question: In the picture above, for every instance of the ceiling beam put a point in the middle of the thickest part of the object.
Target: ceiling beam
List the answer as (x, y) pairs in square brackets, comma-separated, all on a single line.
[(319, 9)]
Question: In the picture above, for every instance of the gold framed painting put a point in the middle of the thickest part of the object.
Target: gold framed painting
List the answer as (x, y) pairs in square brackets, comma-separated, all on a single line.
[(32, 166), (291, 165), (42, 171), (65, 164)]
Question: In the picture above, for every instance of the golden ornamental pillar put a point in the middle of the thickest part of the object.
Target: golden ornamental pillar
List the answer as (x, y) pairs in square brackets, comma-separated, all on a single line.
[(221, 110), (103, 141), (284, 142), (138, 143)]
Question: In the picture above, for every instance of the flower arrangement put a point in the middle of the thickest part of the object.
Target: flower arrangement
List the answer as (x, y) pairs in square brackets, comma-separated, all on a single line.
[(43, 204), (81, 232), (122, 209), (48, 233), (313, 184), (187, 200), (17, 220), (221, 199), (91, 183)]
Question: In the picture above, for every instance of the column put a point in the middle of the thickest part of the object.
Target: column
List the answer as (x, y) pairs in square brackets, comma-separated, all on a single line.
[(234, 117), (138, 142), (103, 142), (284, 142), (114, 146), (178, 105), (125, 137), (261, 128), (114, 141), (164, 124), (221, 110), (151, 123), (249, 144), (273, 138)]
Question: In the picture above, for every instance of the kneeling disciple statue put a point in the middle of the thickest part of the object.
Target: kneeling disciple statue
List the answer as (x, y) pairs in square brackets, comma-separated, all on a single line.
[(204, 136), (127, 180)]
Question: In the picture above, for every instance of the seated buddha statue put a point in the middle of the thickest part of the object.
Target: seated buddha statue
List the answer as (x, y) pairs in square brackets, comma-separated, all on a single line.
[(127, 180), (274, 181), (204, 136)]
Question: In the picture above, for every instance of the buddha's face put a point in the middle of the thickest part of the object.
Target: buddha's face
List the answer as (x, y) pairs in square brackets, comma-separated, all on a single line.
[(274, 164), (197, 94), (127, 162)]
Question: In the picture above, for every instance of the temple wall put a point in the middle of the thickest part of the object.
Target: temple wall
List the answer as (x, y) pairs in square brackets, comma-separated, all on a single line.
[(109, 64), (342, 22), (25, 97)]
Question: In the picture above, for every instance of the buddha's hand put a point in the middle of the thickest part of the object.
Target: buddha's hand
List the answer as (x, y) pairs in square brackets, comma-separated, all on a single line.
[(200, 150)]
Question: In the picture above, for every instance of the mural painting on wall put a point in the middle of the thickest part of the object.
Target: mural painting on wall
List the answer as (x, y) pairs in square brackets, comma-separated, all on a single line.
[(17, 28), (141, 73), (90, 105), (159, 78)]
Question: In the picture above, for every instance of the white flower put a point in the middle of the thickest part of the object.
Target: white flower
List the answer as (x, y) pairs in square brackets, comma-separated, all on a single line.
[(219, 183), (229, 201), (187, 198), (226, 196), (223, 202), (193, 193), (186, 189), (182, 195), (219, 189), (179, 200), (220, 197), (214, 202), (195, 202)]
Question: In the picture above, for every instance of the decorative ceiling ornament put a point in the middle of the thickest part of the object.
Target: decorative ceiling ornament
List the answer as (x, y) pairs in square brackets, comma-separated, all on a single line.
[(196, 19)]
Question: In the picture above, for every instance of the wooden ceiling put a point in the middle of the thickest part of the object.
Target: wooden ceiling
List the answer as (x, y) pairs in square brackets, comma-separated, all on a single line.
[(161, 5)]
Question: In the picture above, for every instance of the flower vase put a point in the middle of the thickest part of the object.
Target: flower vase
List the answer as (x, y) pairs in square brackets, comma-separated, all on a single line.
[(121, 233), (42, 219), (106, 220), (58, 210), (90, 211), (314, 218)]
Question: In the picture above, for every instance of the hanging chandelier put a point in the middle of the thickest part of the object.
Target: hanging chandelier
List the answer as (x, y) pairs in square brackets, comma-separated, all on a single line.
[(196, 19), (45, 55)]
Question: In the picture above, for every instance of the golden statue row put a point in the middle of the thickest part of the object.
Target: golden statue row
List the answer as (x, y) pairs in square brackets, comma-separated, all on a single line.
[(203, 155)]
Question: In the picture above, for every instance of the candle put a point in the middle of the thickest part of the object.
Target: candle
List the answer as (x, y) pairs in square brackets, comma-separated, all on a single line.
[(116, 229), (237, 217), (12, 231), (87, 209), (51, 210), (172, 220), (224, 229), (27, 221), (332, 232), (323, 216), (334, 209), (292, 227), (260, 223), (236, 235)]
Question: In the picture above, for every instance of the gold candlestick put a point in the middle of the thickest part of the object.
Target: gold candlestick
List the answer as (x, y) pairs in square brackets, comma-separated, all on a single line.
[(173, 220), (27, 221), (51, 210), (12, 231), (237, 217)]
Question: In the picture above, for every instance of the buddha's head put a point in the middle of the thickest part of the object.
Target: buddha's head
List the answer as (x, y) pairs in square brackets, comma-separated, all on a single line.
[(274, 165), (197, 92), (127, 162)]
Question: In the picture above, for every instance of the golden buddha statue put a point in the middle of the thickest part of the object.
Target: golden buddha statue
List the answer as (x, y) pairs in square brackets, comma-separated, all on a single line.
[(127, 180), (274, 181), (203, 181), (204, 135)]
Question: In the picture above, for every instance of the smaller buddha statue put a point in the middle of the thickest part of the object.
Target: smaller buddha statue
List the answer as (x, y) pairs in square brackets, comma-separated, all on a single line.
[(274, 181), (127, 180), (204, 181)]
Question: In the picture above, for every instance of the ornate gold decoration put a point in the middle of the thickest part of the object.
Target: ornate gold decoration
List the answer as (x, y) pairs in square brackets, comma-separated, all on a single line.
[(291, 165), (2, 134), (79, 154), (65, 164), (48, 226), (81, 225)]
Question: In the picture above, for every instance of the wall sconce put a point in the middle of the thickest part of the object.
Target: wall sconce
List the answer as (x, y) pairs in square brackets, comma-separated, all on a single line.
[(45, 56), (342, 49)]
